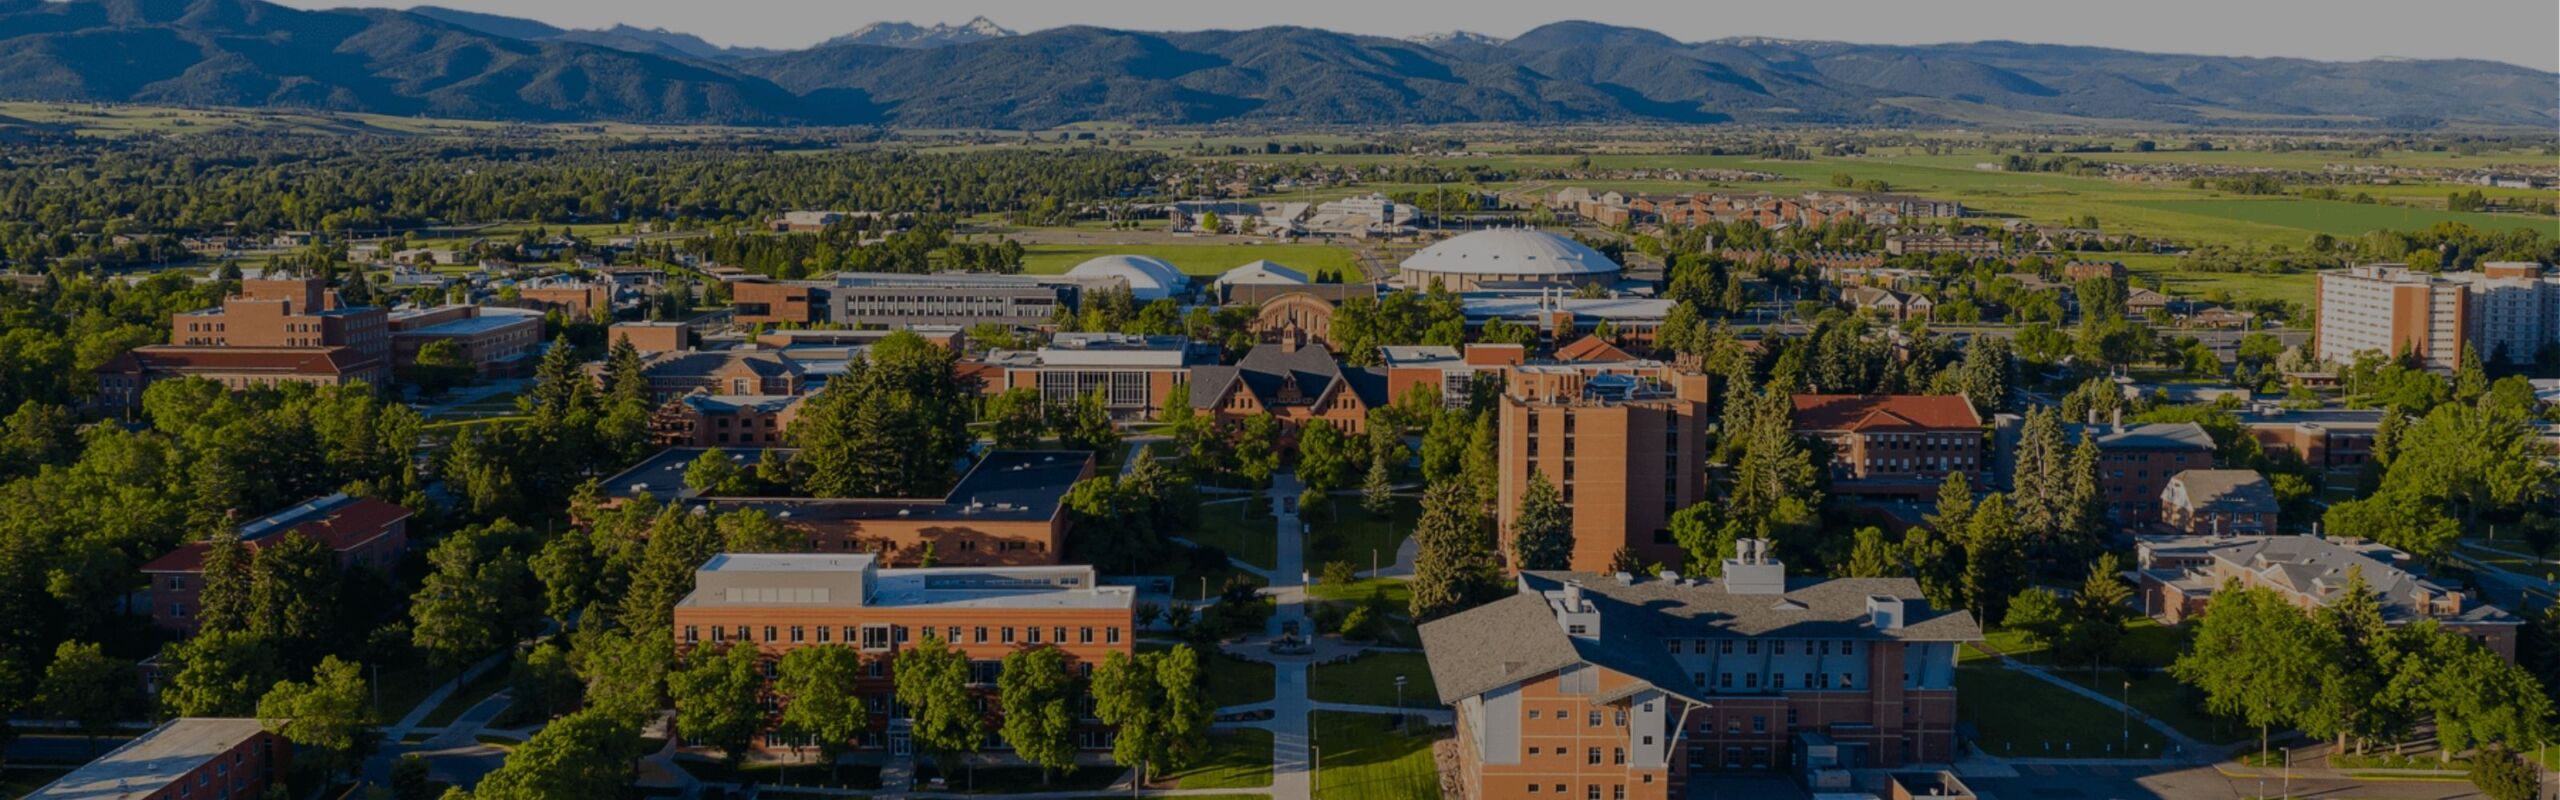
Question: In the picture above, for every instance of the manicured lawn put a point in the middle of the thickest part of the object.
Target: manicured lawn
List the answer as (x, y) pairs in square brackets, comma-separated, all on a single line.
[(1210, 256), (1247, 533), (470, 694), (2032, 718), (1232, 681), (1238, 759), (1336, 600), (1360, 758), (1370, 680), (1351, 534)]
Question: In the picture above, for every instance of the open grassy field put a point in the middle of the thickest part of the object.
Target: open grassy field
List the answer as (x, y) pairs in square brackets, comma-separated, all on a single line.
[(2041, 720), (1370, 680), (1345, 532), (1245, 530), (1203, 259), (2344, 219), (1238, 759), (1361, 759)]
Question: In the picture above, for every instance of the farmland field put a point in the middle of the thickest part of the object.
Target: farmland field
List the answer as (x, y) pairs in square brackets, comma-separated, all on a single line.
[(2343, 219)]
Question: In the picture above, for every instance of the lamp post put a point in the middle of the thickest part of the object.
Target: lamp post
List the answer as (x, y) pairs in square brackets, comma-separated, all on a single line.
[(1399, 702), (2128, 717)]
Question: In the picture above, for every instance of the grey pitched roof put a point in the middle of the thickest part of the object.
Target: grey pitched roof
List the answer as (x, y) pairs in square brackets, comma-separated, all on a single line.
[(1265, 369), (2149, 436), (1519, 637), (2231, 491), (2318, 566), (1494, 645)]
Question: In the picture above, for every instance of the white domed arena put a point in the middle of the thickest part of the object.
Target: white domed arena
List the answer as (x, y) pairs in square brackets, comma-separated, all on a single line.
[(1509, 255), (1148, 278)]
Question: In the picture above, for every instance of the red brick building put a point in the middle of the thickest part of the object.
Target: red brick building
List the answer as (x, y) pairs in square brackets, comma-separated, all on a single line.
[(573, 297), (2179, 575), (762, 302), (497, 341), (2219, 501), (1625, 444), (282, 313), (188, 758), (122, 379), (780, 603), (364, 532), (1584, 685), (1893, 444), (1293, 381), (2135, 463), (707, 420), (1009, 510)]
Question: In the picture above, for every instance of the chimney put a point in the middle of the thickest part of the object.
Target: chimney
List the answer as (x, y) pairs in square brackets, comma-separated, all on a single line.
[(1573, 596), (1884, 612), (1752, 571), (2119, 419)]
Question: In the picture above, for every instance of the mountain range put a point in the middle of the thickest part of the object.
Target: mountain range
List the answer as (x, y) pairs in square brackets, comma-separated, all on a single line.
[(442, 62)]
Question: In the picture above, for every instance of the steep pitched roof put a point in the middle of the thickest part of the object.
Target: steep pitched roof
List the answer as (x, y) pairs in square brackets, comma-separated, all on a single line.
[(2235, 491), (1266, 369), (339, 523), (1591, 348), (1895, 412)]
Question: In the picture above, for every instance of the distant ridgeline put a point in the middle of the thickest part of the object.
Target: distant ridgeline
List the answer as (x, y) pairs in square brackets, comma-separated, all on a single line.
[(248, 53)]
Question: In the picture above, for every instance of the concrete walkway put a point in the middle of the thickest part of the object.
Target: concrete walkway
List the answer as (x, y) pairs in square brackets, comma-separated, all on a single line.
[(2190, 749), (1291, 736)]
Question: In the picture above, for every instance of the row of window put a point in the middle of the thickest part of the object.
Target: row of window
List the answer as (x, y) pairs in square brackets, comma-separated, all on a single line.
[(883, 637), (1751, 647), (1617, 755), (1591, 790)]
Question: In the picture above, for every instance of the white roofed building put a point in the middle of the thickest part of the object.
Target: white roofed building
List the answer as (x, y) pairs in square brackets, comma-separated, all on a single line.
[(1510, 255)]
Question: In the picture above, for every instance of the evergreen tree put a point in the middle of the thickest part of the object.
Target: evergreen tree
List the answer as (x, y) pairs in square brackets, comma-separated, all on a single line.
[(223, 602), (1937, 563), (1995, 558), (1454, 565), (1705, 537), (1377, 490), (1542, 528), (1871, 557), (294, 595), (626, 382), (1483, 472)]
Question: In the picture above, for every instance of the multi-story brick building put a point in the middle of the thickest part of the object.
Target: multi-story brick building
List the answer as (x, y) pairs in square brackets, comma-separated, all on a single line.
[(1940, 243), (188, 758), (702, 419), (2326, 439), (1893, 444), (1135, 375), (2135, 463), (365, 532), (123, 378), (1009, 510), (574, 297), (2221, 501), (654, 337), (764, 302), (780, 603), (497, 341), (2180, 574), (2391, 310), (285, 313), (1638, 688), (1452, 372), (1624, 443), (741, 372)]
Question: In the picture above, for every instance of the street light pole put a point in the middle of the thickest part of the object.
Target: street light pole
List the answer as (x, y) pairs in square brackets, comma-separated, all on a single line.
[(1399, 702), (2128, 718)]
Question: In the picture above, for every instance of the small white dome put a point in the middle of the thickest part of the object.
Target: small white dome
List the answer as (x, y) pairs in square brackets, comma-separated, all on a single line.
[(1263, 273), (1148, 278), (1511, 253)]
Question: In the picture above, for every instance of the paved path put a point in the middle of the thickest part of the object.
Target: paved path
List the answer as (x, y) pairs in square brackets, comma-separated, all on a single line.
[(2190, 749), (465, 729), (1291, 738), (377, 769)]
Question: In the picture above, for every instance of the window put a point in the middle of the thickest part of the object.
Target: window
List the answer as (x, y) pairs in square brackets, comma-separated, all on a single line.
[(823, 631), (982, 634), (1031, 635), (875, 637), (1533, 788), (1618, 756), (1622, 718), (742, 634), (1533, 713), (1595, 721), (1778, 648), (798, 634), (769, 631), (1725, 647), (1593, 793), (1085, 636), (1779, 681), (1111, 635), (1844, 680), (694, 634), (1595, 756), (1618, 792), (1759, 724)]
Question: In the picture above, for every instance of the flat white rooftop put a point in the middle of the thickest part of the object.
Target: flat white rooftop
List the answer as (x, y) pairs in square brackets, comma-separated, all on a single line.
[(152, 761)]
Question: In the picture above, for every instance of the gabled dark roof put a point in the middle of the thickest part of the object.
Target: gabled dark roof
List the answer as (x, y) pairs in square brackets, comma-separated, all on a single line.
[(1265, 369)]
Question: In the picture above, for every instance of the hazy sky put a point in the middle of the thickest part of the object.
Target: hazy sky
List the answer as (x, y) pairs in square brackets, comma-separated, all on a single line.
[(2518, 31)]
